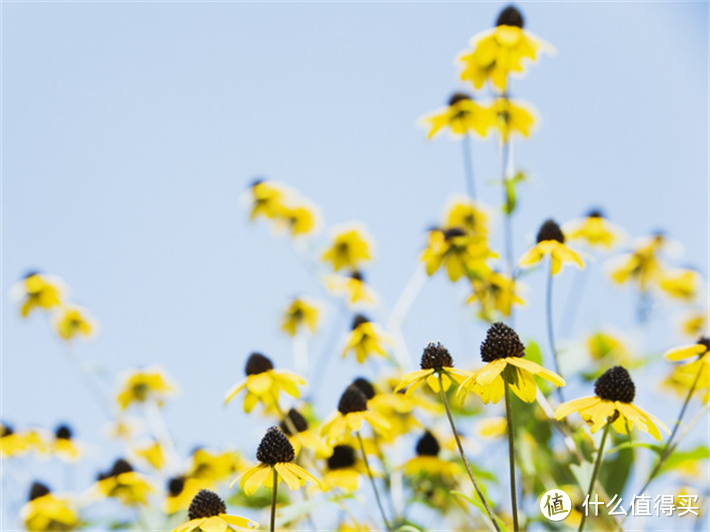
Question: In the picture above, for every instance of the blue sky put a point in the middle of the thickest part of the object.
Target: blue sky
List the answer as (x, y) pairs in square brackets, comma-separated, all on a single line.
[(130, 130)]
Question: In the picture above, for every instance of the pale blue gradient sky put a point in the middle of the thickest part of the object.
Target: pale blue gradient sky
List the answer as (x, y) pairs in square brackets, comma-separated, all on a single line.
[(131, 129)]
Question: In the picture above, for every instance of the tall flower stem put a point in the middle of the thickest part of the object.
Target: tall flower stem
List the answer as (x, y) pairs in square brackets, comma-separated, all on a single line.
[(463, 454), (274, 492), (372, 481), (511, 457), (550, 330), (468, 166), (595, 473)]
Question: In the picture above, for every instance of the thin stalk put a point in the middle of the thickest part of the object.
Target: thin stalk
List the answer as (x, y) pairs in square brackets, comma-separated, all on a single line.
[(274, 492), (372, 481), (550, 330), (505, 154), (463, 454), (511, 457), (468, 166), (595, 473)]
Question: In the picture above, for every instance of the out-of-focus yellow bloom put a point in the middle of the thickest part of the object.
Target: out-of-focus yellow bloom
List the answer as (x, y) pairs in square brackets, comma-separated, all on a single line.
[(181, 491), (503, 353), (45, 512), (299, 220), (353, 287), (641, 266), (19, 443), (264, 383), (460, 253), (513, 117), (462, 116), (72, 321), (366, 339), (352, 412), (469, 216), (123, 428), (350, 247), (63, 446), (436, 363), (696, 372), (493, 427), (275, 454), (496, 291), (267, 199), (501, 51), (304, 437), (209, 466), (343, 470), (427, 462), (38, 291), (124, 484), (152, 453), (301, 314), (550, 241), (398, 410), (695, 323), (140, 386), (612, 403), (208, 513), (594, 230), (681, 284), (602, 345)]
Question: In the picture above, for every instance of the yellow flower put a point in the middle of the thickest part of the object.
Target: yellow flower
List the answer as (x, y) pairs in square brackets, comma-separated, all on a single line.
[(45, 512), (695, 323), (436, 362), (681, 284), (513, 117), (181, 492), (551, 241), (275, 455), (300, 314), (64, 446), (151, 453), (501, 51), (140, 386), (462, 116), (124, 484), (209, 466), (344, 470), (73, 321), (493, 427), (366, 339), (427, 462), (469, 216), (38, 291), (641, 265), (208, 513), (602, 345), (688, 374), (267, 199), (353, 287), (460, 253), (683, 376), (19, 443), (264, 383), (398, 409), (503, 353), (304, 437), (612, 403), (350, 248), (352, 412), (300, 220), (594, 230), (496, 291)]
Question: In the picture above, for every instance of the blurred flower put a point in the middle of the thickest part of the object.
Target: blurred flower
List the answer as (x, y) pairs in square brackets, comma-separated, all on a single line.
[(399, 409), (152, 453), (427, 461), (602, 345), (305, 437), (38, 291), (697, 371), (72, 321), (641, 265), (140, 386), (301, 314), (460, 253), (594, 230), (19, 443), (695, 323), (45, 512), (275, 453), (493, 427), (551, 241), (513, 117), (612, 403), (495, 291), (264, 383), (352, 412), (462, 116), (208, 513), (343, 470), (210, 466), (366, 339), (300, 220), (681, 284), (181, 492), (353, 287), (436, 362), (350, 248), (123, 428), (267, 199), (501, 51), (503, 353), (124, 484), (467, 215), (64, 447)]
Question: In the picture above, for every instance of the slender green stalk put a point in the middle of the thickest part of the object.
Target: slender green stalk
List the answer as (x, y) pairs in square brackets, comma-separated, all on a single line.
[(551, 332), (274, 492), (463, 454), (595, 473), (468, 166), (511, 457), (372, 481)]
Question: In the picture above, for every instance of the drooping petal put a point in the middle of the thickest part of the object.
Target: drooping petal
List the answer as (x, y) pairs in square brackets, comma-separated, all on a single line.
[(576, 405), (490, 371), (686, 351)]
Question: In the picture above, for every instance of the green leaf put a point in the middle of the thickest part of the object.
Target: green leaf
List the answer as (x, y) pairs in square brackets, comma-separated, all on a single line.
[(533, 352), (478, 504), (616, 468), (679, 458), (408, 528), (583, 474), (631, 445)]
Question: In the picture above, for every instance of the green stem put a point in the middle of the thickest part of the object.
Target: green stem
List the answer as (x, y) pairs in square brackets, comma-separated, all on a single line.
[(372, 481), (463, 455), (274, 492), (468, 166), (595, 473), (511, 456), (550, 331)]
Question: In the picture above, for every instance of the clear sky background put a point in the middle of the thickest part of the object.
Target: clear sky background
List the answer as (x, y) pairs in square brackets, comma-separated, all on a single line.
[(130, 130)]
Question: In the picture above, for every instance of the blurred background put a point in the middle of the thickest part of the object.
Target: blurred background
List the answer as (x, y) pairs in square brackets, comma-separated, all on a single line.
[(131, 130)]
